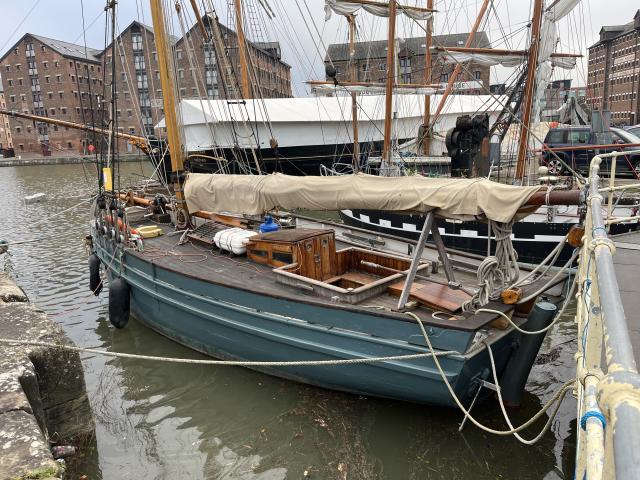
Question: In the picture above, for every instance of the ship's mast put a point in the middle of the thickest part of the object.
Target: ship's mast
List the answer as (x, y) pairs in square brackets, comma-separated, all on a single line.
[(113, 127), (242, 52), (354, 99), (426, 135), (168, 98), (458, 68), (532, 63), (391, 73)]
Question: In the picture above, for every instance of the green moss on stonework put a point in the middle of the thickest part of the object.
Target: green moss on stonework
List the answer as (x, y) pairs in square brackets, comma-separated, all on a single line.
[(52, 470)]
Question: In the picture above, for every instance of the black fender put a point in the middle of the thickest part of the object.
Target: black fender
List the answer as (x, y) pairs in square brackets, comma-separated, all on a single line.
[(95, 281), (119, 301)]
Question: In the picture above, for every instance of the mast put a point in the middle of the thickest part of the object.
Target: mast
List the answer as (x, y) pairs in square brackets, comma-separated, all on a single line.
[(169, 103), (532, 63), (426, 135), (242, 52), (354, 103), (113, 127), (456, 71), (391, 63)]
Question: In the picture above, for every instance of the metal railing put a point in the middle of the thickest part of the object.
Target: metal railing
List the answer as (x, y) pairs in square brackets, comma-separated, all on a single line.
[(608, 438)]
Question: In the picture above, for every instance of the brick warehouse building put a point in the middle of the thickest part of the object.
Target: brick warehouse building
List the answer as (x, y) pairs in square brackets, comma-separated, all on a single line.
[(52, 78), (613, 78), (272, 74), (371, 61), (138, 90)]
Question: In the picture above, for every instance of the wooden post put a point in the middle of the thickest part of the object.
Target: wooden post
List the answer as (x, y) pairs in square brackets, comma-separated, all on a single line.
[(242, 52), (532, 64), (391, 73), (426, 134), (456, 71), (168, 98), (354, 99)]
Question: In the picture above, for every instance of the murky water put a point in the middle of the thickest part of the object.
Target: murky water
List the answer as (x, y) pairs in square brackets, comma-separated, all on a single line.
[(167, 421)]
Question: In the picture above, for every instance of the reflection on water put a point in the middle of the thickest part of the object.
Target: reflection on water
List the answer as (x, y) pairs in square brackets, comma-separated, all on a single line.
[(170, 421)]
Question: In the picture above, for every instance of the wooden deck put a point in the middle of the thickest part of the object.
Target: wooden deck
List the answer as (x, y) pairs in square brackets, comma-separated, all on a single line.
[(627, 265), (215, 267)]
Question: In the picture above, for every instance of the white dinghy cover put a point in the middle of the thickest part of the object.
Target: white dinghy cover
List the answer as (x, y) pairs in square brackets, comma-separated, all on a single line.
[(455, 198)]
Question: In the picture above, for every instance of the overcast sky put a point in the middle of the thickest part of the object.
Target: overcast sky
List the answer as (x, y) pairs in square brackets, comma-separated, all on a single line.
[(301, 28)]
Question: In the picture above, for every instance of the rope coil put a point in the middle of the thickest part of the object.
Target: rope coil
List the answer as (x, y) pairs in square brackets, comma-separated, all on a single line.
[(498, 271)]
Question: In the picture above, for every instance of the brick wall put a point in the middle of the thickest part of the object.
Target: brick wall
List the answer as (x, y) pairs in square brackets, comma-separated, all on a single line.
[(613, 78), (5, 129), (138, 90), (41, 81), (411, 70), (269, 77)]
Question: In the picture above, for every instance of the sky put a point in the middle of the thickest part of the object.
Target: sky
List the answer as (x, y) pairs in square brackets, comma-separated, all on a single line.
[(304, 34)]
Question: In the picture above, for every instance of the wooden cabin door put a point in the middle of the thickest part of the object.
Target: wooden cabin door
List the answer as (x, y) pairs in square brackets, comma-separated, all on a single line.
[(325, 257)]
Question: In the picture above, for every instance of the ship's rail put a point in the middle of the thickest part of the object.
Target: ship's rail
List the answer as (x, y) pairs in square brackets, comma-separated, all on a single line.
[(608, 391)]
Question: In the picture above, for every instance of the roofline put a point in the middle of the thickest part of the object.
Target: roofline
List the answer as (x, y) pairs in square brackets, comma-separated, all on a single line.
[(13, 46), (623, 31), (146, 27), (64, 55), (100, 53), (181, 39)]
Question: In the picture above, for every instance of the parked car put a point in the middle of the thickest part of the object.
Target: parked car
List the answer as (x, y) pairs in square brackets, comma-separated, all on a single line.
[(580, 158), (634, 129)]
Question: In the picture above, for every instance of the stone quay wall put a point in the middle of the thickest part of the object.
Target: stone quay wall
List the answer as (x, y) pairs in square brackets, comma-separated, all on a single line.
[(43, 401)]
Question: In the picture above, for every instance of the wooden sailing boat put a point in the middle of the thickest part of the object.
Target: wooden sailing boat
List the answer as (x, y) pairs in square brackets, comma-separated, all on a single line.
[(302, 295)]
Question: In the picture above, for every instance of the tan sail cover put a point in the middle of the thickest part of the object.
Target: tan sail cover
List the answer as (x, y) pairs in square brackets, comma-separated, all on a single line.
[(456, 198)]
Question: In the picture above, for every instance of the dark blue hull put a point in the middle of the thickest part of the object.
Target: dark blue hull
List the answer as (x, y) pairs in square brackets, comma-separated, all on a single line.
[(233, 323)]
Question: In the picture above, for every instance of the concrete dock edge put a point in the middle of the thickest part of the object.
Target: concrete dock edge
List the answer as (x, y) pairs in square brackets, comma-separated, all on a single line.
[(43, 401)]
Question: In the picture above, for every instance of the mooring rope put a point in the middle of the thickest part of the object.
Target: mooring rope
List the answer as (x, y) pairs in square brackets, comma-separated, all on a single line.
[(542, 330), (557, 397), (6, 244), (236, 363), (504, 410)]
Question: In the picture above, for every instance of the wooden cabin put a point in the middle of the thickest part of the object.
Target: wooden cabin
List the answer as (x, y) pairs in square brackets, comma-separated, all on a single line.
[(313, 250)]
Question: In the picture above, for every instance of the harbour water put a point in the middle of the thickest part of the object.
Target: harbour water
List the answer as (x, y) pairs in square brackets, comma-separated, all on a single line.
[(170, 421)]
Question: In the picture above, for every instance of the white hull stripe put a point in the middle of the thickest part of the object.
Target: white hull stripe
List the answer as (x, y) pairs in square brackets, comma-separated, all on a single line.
[(410, 227)]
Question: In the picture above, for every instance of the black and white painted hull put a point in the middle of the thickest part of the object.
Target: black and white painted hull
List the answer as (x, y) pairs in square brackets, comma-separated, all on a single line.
[(533, 238), (293, 160)]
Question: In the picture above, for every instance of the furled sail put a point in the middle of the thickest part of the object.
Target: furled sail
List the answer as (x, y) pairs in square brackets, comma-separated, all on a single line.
[(512, 58), (346, 7), (487, 59), (456, 198), (548, 41), (371, 89)]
